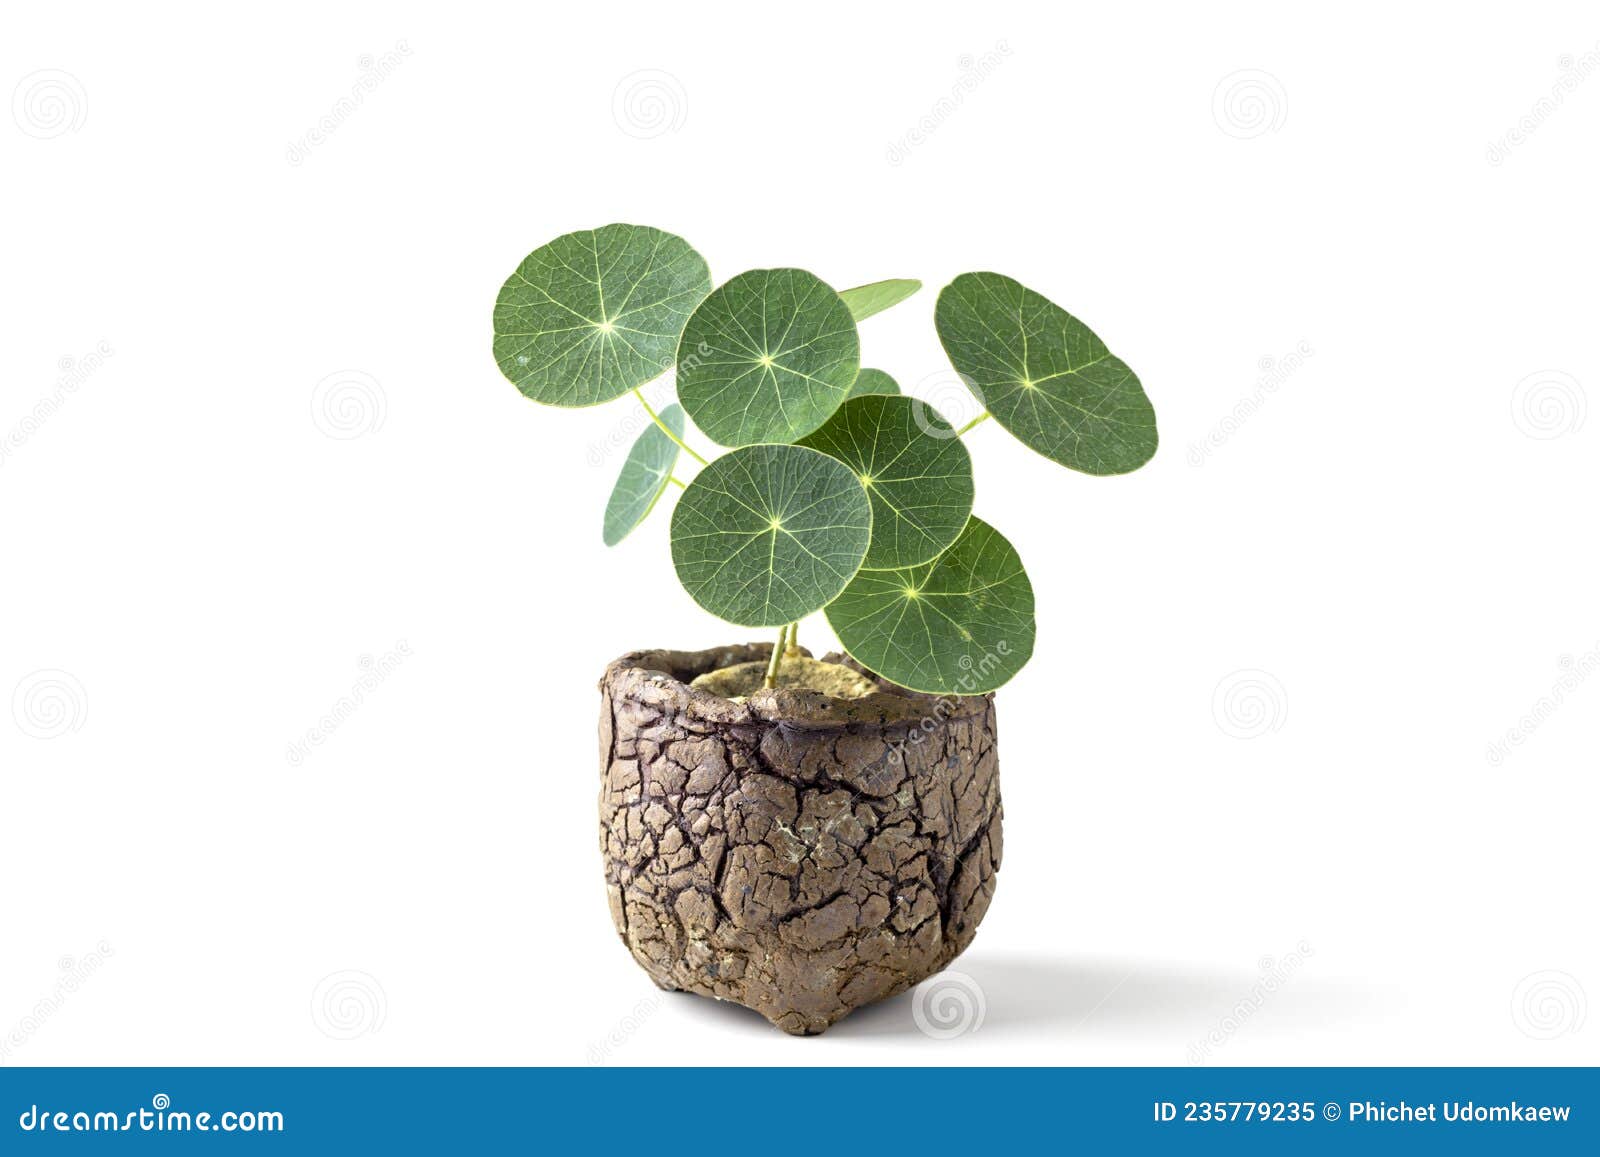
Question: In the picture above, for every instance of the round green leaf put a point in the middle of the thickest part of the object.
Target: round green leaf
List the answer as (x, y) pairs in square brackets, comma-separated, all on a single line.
[(1045, 376), (767, 534), (644, 476), (596, 313), (767, 358), (959, 625), (916, 472), (866, 300), (873, 382)]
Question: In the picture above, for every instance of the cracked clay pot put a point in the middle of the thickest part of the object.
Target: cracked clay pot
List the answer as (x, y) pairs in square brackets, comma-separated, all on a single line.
[(798, 854)]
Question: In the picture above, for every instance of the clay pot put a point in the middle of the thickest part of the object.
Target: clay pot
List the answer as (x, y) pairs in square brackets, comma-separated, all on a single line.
[(794, 853)]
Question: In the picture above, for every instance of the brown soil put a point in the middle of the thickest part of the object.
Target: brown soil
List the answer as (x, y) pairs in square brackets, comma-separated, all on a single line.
[(799, 853)]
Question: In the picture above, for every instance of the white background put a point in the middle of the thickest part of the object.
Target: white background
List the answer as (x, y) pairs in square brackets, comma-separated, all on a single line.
[(204, 534)]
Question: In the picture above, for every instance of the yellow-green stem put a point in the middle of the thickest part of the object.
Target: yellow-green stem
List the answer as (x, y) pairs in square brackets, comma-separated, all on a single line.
[(777, 657), (983, 417), (666, 429)]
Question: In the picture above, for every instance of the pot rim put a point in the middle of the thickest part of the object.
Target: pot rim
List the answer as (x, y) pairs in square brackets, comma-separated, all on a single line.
[(661, 677)]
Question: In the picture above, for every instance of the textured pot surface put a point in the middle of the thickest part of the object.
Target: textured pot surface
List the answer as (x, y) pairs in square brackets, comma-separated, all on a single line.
[(796, 854)]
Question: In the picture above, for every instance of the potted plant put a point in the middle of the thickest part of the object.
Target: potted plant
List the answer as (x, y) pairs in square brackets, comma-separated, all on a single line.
[(806, 836)]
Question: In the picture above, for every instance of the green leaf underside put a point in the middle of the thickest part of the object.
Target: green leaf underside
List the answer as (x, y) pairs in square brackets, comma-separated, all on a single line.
[(915, 470), (1045, 376), (866, 300), (873, 382), (644, 476), (767, 534), (967, 628), (596, 313), (767, 357)]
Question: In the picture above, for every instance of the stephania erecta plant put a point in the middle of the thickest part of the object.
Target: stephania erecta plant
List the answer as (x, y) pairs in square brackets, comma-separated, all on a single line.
[(832, 490)]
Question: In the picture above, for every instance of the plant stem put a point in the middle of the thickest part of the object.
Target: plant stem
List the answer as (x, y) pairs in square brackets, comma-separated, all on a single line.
[(666, 429), (793, 650), (676, 481), (980, 418), (777, 657)]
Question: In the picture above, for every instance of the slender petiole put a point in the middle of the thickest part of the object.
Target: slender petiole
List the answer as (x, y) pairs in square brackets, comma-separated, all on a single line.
[(980, 418), (777, 657), (676, 481), (666, 429)]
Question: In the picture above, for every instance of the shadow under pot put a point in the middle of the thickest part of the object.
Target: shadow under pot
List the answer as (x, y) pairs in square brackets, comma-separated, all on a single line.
[(791, 851)]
